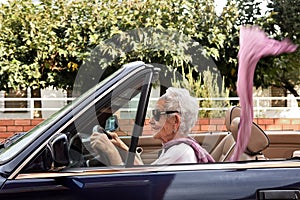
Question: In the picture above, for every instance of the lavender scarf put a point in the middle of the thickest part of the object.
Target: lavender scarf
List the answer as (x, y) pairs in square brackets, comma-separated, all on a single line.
[(202, 155), (254, 44)]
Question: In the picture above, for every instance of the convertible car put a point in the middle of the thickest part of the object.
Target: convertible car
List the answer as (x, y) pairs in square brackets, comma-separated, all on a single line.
[(55, 161)]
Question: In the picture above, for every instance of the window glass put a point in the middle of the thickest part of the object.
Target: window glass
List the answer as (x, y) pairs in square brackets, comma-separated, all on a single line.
[(115, 111)]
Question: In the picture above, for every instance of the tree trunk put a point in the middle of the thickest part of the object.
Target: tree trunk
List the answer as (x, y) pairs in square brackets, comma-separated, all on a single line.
[(69, 95), (36, 93), (290, 88), (165, 78)]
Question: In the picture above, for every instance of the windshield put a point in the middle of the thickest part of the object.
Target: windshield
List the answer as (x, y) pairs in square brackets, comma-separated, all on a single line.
[(13, 145)]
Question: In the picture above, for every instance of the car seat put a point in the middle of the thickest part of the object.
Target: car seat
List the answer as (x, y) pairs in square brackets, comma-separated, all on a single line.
[(222, 151), (258, 140), (225, 147)]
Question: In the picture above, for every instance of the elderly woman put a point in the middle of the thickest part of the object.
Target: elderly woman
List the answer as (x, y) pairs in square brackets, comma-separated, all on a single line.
[(172, 119)]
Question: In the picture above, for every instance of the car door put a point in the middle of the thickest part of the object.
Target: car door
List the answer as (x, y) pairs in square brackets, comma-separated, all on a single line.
[(71, 186)]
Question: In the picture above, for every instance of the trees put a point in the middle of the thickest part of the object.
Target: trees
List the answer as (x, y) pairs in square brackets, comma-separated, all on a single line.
[(243, 12), (46, 43), (280, 21), (38, 47), (284, 71), (43, 44)]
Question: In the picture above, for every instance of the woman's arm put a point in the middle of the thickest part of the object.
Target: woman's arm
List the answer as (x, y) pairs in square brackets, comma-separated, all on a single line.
[(101, 143), (119, 143)]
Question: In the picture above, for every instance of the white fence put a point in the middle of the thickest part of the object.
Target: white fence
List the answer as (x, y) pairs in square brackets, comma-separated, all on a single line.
[(262, 106), (49, 106)]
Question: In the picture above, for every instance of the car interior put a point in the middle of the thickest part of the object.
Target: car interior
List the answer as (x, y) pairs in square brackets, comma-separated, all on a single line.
[(257, 143), (219, 145)]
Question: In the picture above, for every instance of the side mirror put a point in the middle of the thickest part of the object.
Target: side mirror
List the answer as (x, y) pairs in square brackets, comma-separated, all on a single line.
[(59, 150)]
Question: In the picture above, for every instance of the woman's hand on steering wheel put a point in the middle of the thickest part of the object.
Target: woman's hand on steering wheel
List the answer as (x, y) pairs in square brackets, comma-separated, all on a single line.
[(101, 143)]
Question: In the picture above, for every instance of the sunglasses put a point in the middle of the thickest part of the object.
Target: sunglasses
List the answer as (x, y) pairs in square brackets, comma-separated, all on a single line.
[(157, 113)]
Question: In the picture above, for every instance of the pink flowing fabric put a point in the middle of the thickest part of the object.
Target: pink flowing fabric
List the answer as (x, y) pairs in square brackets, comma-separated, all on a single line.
[(254, 44)]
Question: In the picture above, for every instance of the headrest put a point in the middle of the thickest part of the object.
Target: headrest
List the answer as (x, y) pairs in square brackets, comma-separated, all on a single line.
[(231, 113), (258, 140)]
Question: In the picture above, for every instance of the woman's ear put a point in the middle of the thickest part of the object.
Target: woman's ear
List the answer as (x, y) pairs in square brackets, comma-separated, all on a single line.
[(177, 121)]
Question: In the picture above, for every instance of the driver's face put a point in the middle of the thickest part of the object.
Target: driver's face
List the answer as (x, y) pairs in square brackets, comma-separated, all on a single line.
[(163, 128)]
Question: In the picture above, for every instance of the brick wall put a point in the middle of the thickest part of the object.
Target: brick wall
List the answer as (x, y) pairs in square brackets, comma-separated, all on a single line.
[(8, 127)]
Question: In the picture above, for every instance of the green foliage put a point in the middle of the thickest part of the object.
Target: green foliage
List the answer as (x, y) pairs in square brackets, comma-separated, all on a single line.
[(281, 20), (44, 44), (282, 71), (286, 16), (206, 87), (229, 27), (34, 50)]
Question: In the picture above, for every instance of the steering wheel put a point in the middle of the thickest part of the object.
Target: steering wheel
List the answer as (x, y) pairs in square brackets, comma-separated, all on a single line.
[(81, 153), (100, 129), (76, 151)]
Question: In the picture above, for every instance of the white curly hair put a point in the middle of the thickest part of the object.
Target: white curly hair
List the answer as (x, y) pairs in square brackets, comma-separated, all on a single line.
[(179, 99)]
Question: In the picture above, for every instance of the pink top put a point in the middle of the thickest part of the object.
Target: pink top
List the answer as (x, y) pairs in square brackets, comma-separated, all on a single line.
[(254, 44)]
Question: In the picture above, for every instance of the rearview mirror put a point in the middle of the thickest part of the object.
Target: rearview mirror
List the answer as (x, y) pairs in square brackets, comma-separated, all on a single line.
[(112, 123)]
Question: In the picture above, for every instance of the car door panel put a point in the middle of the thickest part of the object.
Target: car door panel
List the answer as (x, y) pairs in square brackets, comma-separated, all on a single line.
[(163, 184), (72, 188)]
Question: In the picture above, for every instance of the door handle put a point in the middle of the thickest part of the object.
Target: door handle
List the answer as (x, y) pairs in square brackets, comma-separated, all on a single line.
[(278, 194), (71, 183)]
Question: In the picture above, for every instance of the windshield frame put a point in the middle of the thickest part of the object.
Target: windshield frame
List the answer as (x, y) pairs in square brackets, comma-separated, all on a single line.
[(7, 154), (12, 169)]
